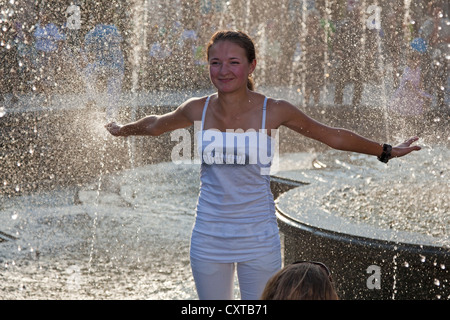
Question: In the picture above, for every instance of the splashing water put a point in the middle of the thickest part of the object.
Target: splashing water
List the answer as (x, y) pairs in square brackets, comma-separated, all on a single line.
[(395, 267)]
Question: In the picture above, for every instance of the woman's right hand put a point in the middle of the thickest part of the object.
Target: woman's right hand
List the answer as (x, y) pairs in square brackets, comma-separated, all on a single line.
[(114, 129)]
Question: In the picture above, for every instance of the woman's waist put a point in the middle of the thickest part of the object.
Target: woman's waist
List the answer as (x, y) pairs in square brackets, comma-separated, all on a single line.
[(260, 227), (232, 198)]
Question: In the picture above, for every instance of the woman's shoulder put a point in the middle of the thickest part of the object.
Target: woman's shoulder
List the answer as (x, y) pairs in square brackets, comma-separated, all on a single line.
[(259, 99), (193, 107), (279, 104), (281, 111), (195, 102)]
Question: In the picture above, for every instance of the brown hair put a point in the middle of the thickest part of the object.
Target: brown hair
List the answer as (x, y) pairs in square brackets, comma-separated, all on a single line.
[(302, 281), (240, 38)]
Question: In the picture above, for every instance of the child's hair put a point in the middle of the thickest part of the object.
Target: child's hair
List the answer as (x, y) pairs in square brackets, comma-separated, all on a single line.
[(301, 281), (240, 38)]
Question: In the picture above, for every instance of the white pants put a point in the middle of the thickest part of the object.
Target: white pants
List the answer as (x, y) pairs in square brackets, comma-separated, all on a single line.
[(215, 281)]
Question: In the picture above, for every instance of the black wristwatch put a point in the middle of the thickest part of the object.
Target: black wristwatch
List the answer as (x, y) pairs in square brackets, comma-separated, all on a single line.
[(386, 154)]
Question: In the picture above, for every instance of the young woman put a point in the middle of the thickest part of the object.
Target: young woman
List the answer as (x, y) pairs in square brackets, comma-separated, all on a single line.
[(235, 223)]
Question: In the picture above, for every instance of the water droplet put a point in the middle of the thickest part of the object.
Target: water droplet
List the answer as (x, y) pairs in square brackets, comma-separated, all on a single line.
[(17, 188), (14, 216), (437, 282), (406, 264), (2, 111), (422, 258)]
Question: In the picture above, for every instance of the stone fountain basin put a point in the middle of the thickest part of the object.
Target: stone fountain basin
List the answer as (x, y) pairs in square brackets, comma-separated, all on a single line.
[(303, 205)]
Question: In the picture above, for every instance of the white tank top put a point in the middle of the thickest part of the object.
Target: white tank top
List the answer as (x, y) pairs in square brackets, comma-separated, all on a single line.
[(235, 214)]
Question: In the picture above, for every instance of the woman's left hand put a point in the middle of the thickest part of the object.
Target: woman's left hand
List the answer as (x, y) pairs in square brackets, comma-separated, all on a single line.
[(404, 148)]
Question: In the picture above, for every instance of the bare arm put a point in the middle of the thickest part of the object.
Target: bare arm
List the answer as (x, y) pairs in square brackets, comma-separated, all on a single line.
[(336, 138), (155, 125)]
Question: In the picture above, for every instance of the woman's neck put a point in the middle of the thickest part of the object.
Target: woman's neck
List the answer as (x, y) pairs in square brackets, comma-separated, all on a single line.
[(233, 103)]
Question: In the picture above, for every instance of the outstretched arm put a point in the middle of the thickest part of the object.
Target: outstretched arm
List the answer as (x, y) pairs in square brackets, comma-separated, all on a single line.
[(155, 125), (337, 138)]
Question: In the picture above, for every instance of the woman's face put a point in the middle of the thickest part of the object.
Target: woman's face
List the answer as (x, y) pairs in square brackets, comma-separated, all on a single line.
[(229, 67)]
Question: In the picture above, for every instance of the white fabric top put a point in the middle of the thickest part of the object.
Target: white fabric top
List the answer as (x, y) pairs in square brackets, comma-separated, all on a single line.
[(235, 215)]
